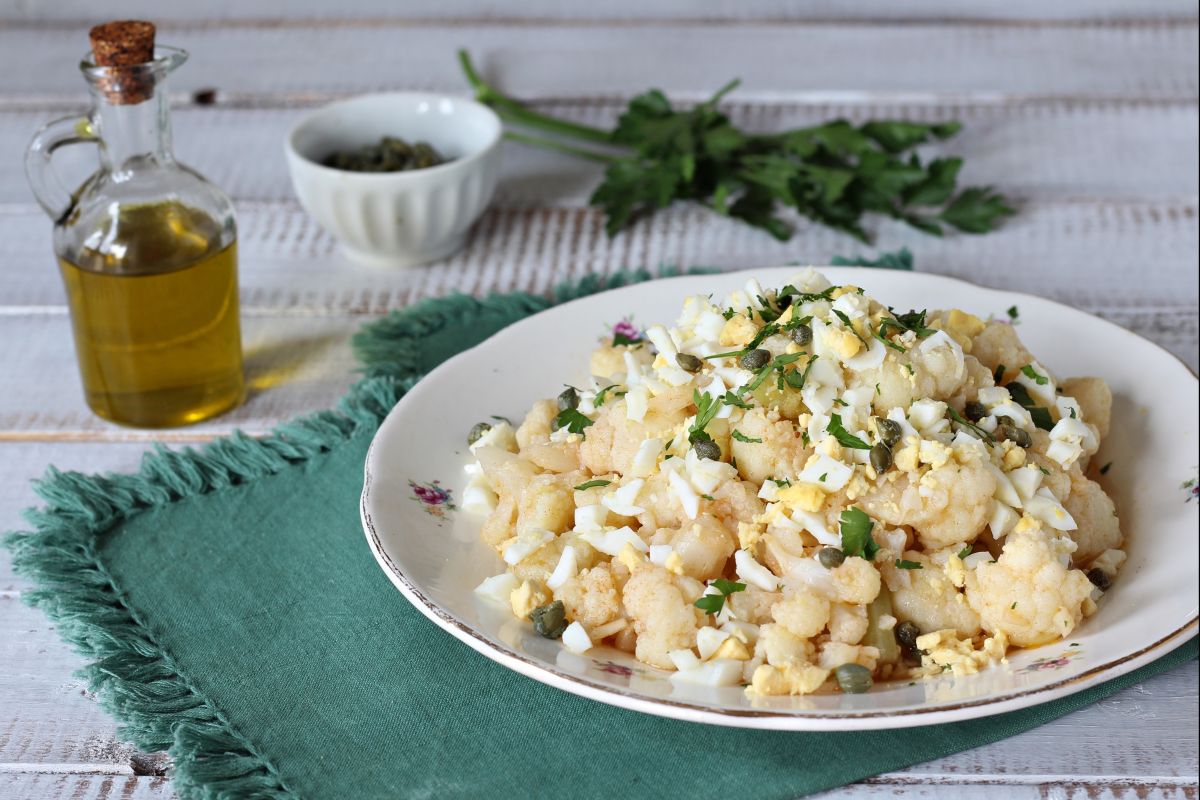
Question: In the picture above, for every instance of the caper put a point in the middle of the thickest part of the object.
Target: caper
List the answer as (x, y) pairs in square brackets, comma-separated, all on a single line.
[(1099, 579), (802, 334), (477, 431), (549, 620), (831, 557), (853, 678), (688, 362), (889, 431), (568, 398), (706, 448), (1012, 433), (975, 410), (906, 635), (756, 359), (881, 458)]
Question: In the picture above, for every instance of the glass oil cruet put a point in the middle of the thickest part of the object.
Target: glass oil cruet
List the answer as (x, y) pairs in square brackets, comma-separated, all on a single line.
[(146, 246)]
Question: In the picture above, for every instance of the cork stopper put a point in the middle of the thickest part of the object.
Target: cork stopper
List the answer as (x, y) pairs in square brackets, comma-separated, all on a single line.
[(123, 45)]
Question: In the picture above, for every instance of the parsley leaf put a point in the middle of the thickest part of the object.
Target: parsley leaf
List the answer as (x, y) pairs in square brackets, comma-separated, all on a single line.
[(902, 564), (707, 407), (1014, 314), (966, 551), (844, 437), (911, 321), (572, 419), (998, 375), (713, 603), (741, 437), (600, 397), (732, 399), (1029, 372), (1104, 470), (1040, 414), (583, 487), (856, 534)]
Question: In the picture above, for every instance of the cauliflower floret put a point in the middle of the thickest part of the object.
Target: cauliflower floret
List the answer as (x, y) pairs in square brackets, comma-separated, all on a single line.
[(848, 623), (927, 598), (803, 613), (703, 547), (613, 439), (547, 503), (753, 604), (662, 618), (947, 505), (1096, 515), (856, 581), (500, 525), (1027, 592), (777, 646), (591, 598), (536, 427), (998, 344), (834, 654), (780, 454), (608, 361), (1095, 401)]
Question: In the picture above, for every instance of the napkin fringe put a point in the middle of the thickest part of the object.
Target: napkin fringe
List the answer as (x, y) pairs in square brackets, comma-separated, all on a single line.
[(134, 677)]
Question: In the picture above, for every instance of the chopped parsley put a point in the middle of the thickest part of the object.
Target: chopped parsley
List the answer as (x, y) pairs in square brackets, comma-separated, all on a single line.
[(1014, 605), (1039, 414), (979, 432), (850, 325), (998, 375), (502, 419), (902, 564), (1029, 372), (1043, 470), (1014, 314), (894, 345), (856, 534), (837, 401), (1104, 470), (741, 437), (707, 407), (777, 363), (781, 482), (966, 551), (910, 369), (583, 487), (824, 475), (713, 603), (600, 397), (572, 419), (708, 497), (912, 321), (878, 390), (732, 399), (844, 437)]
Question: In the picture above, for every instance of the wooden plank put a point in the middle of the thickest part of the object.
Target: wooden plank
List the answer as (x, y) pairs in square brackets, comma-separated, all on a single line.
[(819, 62), (629, 11), (34, 786), (1056, 150), (1082, 253)]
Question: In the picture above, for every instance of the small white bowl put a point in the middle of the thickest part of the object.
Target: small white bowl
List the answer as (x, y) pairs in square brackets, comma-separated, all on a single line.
[(397, 218)]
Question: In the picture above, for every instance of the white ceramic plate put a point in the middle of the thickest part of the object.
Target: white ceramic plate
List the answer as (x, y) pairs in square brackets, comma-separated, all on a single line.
[(432, 552)]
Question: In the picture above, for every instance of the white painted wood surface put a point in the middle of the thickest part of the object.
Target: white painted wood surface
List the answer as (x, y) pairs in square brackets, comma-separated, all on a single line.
[(1084, 112)]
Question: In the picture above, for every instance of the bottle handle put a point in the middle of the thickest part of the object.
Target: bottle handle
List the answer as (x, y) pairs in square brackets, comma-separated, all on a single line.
[(47, 186)]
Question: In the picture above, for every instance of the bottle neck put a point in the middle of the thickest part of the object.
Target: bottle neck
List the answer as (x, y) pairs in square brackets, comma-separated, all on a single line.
[(133, 135)]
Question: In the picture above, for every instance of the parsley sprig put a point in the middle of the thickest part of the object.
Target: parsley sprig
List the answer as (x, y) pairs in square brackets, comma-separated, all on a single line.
[(833, 173), (845, 438), (856, 534), (573, 420), (713, 603)]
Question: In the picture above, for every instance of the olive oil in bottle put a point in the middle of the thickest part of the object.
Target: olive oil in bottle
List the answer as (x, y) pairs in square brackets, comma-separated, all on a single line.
[(146, 246), (154, 308)]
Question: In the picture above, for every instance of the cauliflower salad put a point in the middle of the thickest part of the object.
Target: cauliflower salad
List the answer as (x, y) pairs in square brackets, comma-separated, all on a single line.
[(802, 490)]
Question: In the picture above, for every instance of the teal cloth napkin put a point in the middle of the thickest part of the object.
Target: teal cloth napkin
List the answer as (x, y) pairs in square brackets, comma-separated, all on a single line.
[(233, 615)]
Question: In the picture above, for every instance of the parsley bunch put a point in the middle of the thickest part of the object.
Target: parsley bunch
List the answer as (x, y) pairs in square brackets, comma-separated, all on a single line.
[(832, 173)]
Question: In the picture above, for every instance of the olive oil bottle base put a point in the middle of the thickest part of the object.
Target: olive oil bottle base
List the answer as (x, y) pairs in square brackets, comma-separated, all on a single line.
[(157, 335)]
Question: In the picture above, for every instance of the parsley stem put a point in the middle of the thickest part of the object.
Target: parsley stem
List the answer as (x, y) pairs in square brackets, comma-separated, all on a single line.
[(562, 147), (517, 112)]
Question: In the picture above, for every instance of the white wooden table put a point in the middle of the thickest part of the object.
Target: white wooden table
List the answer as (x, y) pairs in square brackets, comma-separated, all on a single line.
[(1085, 112)]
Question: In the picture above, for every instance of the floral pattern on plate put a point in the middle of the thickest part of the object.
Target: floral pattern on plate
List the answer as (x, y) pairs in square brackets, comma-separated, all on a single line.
[(1053, 662), (437, 500)]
